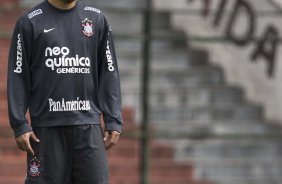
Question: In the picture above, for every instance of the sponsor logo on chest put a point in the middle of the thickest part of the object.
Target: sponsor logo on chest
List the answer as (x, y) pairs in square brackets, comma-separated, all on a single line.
[(72, 105), (58, 60)]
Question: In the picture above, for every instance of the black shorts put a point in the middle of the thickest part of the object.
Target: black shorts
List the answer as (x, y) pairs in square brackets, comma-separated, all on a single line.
[(68, 155)]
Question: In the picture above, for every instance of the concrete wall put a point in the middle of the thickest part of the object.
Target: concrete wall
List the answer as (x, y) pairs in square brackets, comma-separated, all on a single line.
[(262, 85)]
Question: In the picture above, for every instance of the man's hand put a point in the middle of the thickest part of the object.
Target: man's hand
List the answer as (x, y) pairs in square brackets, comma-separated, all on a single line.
[(113, 140), (23, 142)]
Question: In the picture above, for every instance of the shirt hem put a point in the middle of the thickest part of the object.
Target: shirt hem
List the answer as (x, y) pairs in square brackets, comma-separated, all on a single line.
[(68, 120)]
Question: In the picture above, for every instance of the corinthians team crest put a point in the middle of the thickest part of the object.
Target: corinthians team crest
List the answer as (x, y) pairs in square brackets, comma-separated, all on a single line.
[(87, 27), (34, 167)]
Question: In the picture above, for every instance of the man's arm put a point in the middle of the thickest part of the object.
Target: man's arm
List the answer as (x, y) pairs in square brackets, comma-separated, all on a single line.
[(109, 86), (18, 85)]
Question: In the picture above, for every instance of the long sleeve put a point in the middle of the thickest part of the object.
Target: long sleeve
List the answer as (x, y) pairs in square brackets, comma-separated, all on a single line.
[(18, 84), (109, 82)]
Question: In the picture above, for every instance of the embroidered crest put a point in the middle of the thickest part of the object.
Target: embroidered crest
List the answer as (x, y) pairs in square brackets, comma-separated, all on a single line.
[(34, 167), (87, 27)]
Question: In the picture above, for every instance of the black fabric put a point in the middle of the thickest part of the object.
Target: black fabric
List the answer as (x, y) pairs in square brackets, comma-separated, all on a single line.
[(63, 68), (68, 155)]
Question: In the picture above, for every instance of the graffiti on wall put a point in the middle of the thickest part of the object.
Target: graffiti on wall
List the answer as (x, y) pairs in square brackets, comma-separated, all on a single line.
[(265, 46)]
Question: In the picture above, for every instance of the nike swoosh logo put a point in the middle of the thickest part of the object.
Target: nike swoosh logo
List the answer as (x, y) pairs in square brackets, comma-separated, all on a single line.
[(48, 30)]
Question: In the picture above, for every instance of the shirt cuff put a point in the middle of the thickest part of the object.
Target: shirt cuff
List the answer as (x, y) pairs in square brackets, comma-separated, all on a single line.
[(112, 125), (24, 128)]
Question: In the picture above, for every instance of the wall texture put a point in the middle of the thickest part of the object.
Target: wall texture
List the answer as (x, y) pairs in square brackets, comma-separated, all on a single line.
[(255, 66)]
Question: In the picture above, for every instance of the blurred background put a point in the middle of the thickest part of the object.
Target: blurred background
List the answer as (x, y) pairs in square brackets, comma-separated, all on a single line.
[(201, 89)]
